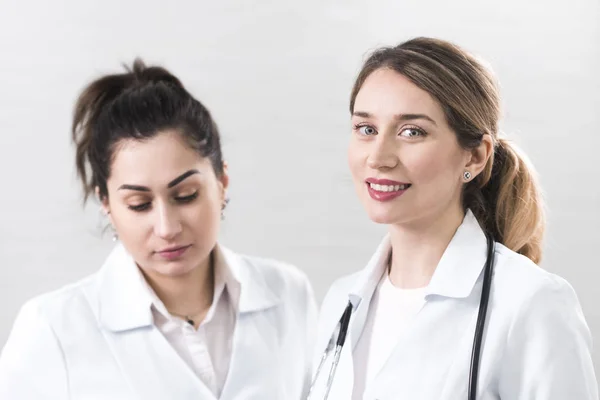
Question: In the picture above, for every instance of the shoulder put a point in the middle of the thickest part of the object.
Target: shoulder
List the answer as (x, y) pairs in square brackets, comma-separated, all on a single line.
[(59, 304), (519, 278), (548, 342), (529, 293), (284, 279), (275, 272), (336, 296), (42, 320), (342, 286)]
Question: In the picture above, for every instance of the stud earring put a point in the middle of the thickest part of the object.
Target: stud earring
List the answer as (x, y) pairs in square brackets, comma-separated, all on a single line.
[(467, 175)]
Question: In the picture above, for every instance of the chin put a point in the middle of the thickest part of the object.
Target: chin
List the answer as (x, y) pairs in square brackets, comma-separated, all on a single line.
[(382, 217), (390, 215), (174, 268)]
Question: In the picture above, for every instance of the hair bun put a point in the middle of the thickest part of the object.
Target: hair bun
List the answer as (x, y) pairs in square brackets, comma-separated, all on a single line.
[(143, 75)]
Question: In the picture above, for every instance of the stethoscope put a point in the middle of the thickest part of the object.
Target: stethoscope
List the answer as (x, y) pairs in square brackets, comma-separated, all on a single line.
[(341, 331)]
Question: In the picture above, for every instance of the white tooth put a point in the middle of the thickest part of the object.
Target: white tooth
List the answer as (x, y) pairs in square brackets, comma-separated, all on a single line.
[(387, 188)]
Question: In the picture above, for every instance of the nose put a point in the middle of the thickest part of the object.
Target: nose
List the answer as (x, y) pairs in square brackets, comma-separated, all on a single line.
[(168, 223), (383, 154)]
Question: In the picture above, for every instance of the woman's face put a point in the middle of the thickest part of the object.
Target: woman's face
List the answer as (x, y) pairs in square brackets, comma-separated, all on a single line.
[(405, 160), (165, 202)]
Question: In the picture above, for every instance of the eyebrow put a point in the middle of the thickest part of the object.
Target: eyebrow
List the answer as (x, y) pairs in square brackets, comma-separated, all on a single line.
[(398, 117), (171, 184)]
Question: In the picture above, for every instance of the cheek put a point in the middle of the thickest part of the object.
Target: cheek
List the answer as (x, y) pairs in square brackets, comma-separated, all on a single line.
[(133, 228), (356, 160), (203, 216), (433, 164)]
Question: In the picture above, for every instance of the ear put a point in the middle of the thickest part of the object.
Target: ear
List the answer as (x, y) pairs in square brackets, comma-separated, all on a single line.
[(479, 156), (224, 178), (104, 205)]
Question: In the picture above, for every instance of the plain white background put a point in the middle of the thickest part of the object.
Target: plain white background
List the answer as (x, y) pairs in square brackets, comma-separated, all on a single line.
[(276, 76)]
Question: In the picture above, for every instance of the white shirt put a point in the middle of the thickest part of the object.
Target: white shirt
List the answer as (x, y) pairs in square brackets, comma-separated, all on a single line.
[(391, 313), (206, 350)]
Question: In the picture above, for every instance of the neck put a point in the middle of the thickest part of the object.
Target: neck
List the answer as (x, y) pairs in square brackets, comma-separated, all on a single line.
[(418, 247), (189, 294)]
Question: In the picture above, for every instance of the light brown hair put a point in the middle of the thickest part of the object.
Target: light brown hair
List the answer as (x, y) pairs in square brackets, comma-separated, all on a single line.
[(505, 198)]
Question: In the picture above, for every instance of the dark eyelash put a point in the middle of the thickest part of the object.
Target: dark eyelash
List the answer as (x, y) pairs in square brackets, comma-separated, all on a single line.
[(139, 207), (187, 199), (183, 199), (361, 125)]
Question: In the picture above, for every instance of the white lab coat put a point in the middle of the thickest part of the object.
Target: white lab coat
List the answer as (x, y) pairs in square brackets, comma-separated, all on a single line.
[(537, 344), (94, 340)]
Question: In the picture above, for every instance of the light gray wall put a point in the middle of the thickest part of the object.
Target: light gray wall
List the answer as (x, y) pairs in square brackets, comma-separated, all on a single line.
[(276, 75)]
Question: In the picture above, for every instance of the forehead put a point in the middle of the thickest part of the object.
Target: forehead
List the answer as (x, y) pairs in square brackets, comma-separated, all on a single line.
[(154, 161), (386, 93)]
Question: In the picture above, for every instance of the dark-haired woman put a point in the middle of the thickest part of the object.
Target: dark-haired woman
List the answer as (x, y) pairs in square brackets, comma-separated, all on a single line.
[(171, 314)]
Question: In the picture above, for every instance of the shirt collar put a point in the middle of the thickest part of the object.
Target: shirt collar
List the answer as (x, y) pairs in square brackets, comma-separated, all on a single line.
[(456, 274), (226, 286), (125, 299)]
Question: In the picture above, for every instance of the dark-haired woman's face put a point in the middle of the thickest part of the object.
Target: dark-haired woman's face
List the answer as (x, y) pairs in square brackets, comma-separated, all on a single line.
[(165, 203)]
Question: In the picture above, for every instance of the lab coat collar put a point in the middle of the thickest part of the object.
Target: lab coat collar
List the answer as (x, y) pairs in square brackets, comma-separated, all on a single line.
[(462, 263), (124, 301), (455, 276)]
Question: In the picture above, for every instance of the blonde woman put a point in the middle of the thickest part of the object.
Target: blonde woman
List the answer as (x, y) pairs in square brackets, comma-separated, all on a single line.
[(452, 304)]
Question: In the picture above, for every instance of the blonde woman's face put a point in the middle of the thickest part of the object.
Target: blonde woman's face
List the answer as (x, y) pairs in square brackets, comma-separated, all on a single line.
[(405, 160)]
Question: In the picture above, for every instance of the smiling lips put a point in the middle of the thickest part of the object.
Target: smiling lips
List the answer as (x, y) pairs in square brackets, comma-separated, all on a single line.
[(173, 253), (385, 189)]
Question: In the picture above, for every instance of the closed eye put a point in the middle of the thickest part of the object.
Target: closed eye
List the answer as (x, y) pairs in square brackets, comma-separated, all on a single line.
[(139, 207), (179, 199), (187, 199)]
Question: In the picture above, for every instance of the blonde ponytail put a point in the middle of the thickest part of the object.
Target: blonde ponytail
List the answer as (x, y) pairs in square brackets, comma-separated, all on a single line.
[(519, 209)]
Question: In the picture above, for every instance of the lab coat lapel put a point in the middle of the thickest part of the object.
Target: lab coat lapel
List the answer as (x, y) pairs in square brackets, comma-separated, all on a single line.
[(153, 368), (360, 296), (428, 350), (150, 364), (255, 334), (364, 289)]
